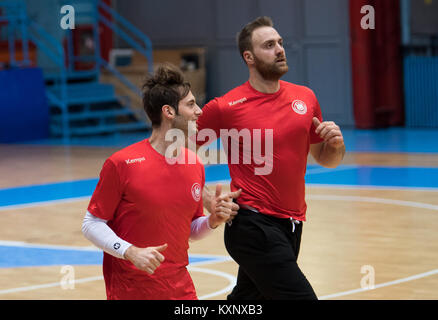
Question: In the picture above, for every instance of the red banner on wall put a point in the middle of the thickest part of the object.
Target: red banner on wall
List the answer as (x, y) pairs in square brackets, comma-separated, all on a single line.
[(376, 64)]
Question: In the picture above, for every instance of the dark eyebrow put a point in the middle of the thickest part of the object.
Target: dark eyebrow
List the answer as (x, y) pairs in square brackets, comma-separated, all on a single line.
[(273, 40)]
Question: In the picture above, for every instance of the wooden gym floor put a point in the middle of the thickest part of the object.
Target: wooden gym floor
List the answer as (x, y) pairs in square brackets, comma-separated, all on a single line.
[(370, 234)]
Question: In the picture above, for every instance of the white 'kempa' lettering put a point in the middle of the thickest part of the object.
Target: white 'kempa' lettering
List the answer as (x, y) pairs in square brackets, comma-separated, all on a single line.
[(130, 161), (236, 102)]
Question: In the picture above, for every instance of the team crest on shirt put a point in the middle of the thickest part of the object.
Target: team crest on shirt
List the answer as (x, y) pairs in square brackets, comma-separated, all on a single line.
[(299, 106), (196, 191)]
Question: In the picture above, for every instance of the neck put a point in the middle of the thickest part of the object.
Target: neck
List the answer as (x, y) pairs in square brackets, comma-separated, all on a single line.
[(159, 143), (263, 85)]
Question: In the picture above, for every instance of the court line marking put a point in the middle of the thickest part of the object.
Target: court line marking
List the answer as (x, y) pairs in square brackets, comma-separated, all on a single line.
[(414, 204), (367, 187), (191, 267), (367, 199), (212, 257), (405, 203), (43, 203), (311, 171), (219, 258), (48, 285), (46, 246), (210, 183), (385, 284), (232, 280), (330, 170)]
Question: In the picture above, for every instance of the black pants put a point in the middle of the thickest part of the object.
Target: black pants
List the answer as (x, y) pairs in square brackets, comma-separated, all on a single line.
[(266, 250)]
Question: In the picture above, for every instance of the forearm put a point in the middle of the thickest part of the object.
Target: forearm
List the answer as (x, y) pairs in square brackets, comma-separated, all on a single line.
[(100, 234), (200, 228), (329, 156)]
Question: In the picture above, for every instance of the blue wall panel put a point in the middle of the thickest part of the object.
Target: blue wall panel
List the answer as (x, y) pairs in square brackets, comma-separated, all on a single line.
[(24, 112), (421, 91)]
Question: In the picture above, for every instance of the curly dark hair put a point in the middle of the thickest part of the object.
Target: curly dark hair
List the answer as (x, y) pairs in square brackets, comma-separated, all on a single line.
[(166, 86)]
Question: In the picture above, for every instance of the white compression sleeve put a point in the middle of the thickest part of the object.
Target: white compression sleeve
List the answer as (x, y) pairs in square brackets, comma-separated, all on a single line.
[(200, 228), (100, 234)]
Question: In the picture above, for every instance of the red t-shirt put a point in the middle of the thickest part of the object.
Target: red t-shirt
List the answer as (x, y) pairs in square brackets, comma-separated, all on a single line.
[(288, 113), (149, 202)]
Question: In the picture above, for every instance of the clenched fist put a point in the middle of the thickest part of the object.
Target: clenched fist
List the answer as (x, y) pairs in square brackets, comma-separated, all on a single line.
[(146, 259)]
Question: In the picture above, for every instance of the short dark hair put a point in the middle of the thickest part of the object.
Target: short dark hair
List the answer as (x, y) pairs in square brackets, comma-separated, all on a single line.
[(166, 86), (245, 35)]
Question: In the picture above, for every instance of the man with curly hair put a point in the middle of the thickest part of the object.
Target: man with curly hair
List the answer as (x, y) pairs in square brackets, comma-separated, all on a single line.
[(148, 202)]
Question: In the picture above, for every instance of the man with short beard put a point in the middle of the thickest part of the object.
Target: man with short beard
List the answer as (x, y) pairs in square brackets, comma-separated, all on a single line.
[(264, 238)]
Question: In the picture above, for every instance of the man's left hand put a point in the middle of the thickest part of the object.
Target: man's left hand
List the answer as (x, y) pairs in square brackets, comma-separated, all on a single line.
[(330, 132)]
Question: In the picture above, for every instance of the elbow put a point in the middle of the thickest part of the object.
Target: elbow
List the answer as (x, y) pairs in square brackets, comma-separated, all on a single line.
[(86, 225)]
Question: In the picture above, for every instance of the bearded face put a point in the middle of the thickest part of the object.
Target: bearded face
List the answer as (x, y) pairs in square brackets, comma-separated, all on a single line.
[(267, 54), (273, 70)]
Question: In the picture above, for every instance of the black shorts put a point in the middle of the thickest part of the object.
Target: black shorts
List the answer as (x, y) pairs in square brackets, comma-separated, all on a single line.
[(266, 249)]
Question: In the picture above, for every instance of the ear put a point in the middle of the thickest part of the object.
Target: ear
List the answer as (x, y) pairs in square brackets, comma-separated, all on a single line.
[(248, 57), (168, 111)]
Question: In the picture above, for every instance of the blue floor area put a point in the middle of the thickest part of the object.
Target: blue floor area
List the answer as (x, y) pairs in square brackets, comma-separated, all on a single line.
[(392, 140), (13, 256), (388, 140), (345, 175), (367, 176), (381, 140), (47, 192)]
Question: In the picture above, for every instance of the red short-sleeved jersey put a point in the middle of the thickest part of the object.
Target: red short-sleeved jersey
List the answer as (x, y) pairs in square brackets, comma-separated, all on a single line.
[(289, 113), (149, 202)]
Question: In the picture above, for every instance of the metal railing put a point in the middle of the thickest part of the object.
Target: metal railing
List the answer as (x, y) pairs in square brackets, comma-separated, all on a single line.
[(20, 27), (103, 14), (14, 18), (143, 45)]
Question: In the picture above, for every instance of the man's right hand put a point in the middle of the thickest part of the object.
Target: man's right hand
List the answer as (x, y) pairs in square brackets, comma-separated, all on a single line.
[(223, 208), (220, 201), (146, 259)]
